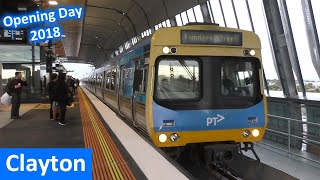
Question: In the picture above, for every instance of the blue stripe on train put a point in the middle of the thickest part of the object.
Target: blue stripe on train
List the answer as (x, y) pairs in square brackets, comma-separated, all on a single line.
[(165, 119)]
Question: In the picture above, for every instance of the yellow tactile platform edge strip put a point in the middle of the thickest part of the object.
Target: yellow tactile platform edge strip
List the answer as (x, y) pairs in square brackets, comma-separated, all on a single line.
[(108, 162)]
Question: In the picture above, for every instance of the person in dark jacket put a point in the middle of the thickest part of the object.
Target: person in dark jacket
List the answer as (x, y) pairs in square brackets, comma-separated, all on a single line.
[(15, 88), (62, 97), (51, 89)]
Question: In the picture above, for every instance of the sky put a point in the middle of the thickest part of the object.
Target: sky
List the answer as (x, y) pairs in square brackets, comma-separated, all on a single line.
[(79, 70)]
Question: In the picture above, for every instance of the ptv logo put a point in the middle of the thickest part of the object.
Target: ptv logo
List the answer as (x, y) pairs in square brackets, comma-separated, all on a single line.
[(214, 120)]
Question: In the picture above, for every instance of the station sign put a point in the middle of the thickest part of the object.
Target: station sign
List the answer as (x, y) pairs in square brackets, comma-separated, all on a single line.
[(13, 36)]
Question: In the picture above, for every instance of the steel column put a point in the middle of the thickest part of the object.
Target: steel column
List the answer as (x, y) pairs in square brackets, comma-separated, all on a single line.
[(235, 14), (252, 27), (222, 12), (205, 12), (211, 11), (312, 34), (33, 67), (173, 22), (280, 47), (291, 44)]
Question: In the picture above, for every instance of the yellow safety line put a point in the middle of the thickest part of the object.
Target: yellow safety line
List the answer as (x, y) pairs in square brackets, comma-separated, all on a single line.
[(106, 149), (106, 155)]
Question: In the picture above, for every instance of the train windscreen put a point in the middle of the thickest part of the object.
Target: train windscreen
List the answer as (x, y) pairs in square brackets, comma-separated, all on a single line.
[(178, 79), (207, 82)]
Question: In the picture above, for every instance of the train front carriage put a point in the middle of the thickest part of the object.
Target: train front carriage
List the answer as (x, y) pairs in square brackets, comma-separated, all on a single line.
[(205, 87), (191, 86)]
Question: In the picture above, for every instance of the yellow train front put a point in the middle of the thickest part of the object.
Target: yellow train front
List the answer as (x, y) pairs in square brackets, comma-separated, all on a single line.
[(205, 87)]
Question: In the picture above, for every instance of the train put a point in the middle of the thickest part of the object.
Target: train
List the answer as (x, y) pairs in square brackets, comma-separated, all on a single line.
[(194, 86)]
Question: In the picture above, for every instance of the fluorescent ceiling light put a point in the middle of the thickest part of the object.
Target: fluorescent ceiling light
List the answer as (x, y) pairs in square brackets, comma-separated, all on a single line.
[(53, 2)]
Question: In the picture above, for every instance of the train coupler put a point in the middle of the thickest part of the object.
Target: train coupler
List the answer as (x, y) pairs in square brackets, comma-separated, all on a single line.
[(220, 154)]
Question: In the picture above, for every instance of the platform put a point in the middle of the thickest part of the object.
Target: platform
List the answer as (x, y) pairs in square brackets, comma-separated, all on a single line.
[(294, 166), (118, 152)]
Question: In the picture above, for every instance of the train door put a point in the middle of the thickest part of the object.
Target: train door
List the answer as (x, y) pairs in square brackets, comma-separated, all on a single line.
[(134, 89), (103, 74), (118, 89), (95, 84), (121, 98), (139, 93)]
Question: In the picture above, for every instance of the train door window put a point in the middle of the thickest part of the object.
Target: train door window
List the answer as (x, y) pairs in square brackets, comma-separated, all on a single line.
[(108, 81), (99, 80), (143, 84), (143, 80), (113, 79), (237, 79), (177, 79), (122, 78)]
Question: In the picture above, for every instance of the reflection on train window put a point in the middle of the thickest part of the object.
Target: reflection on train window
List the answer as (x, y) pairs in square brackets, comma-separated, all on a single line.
[(238, 79), (178, 79)]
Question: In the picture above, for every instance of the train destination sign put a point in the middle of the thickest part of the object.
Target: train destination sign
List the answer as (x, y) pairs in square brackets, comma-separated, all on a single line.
[(211, 37)]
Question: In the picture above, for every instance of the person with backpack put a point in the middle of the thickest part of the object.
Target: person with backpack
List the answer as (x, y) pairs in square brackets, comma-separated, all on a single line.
[(51, 90)]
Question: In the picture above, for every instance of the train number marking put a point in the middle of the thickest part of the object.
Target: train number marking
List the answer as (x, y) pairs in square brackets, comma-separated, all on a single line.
[(214, 120)]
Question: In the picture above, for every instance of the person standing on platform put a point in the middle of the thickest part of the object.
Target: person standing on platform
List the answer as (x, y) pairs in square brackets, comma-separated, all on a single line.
[(51, 89), (62, 97), (15, 88)]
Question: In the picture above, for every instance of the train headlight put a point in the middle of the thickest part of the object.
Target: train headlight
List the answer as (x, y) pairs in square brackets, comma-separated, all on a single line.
[(249, 52), (255, 133), (163, 138), (174, 137), (166, 50), (252, 52), (246, 133)]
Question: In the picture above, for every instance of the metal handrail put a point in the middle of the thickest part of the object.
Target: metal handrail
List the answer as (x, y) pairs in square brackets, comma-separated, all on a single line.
[(306, 139), (296, 120), (289, 135)]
